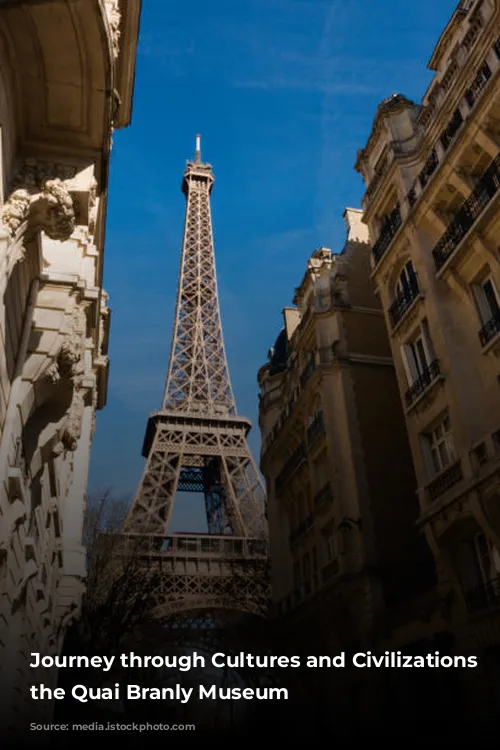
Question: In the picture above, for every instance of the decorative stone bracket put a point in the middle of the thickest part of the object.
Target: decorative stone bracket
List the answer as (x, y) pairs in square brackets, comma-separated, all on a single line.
[(69, 366), (51, 211)]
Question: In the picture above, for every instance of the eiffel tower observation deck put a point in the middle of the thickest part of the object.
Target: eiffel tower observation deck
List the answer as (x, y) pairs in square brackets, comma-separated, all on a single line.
[(197, 442)]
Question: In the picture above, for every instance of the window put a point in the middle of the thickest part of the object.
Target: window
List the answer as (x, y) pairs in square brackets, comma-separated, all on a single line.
[(438, 447), (487, 558), (487, 300), (329, 543), (418, 353), (480, 454), (496, 441), (406, 285)]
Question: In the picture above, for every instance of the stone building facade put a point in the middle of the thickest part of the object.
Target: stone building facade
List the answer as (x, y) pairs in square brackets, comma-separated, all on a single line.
[(66, 82), (432, 205), (341, 487)]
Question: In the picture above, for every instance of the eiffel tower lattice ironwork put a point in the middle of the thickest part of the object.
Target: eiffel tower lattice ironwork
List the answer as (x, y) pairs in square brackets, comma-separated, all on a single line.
[(198, 443)]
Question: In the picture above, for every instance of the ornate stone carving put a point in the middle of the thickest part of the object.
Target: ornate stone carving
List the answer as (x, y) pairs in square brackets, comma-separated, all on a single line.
[(93, 206), (53, 211), (42, 200), (114, 16), (34, 174), (15, 211), (69, 362), (69, 366), (103, 323), (72, 428)]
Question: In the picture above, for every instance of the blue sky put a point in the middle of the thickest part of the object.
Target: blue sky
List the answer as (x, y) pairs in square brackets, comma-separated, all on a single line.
[(283, 93)]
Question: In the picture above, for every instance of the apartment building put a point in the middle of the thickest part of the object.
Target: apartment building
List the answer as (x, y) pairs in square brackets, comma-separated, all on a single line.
[(341, 488), (432, 200)]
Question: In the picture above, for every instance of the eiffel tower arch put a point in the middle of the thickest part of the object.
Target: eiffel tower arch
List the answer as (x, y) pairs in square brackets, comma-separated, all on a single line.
[(197, 442)]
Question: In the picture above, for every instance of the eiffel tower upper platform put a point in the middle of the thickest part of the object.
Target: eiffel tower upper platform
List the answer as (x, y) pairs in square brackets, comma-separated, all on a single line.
[(198, 443)]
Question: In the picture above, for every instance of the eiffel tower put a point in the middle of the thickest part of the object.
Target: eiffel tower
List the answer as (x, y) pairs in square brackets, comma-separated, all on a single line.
[(198, 443)]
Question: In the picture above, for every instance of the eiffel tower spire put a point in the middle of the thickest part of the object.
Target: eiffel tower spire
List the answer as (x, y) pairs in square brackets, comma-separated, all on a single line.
[(198, 443)]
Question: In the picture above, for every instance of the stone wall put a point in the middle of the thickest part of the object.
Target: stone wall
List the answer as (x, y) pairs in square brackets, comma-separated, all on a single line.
[(54, 319)]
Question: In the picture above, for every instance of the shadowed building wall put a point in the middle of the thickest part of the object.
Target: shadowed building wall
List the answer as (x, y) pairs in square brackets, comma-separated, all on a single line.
[(341, 486), (66, 82)]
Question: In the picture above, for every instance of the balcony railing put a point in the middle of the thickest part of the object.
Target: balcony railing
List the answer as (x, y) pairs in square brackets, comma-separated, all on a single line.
[(490, 329), (391, 226), (445, 481), (428, 376), (483, 597), (403, 302), (190, 545), (472, 208)]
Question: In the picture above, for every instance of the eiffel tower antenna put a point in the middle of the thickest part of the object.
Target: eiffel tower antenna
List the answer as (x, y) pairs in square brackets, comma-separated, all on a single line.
[(198, 443)]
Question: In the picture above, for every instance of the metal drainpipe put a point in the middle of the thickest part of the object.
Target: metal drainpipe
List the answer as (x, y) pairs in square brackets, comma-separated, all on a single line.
[(17, 381)]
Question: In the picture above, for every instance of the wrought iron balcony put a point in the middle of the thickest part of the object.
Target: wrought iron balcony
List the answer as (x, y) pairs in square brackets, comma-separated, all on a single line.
[(403, 302), (483, 597), (490, 329), (428, 376), (391, 226), (472, 208), (445, 481)]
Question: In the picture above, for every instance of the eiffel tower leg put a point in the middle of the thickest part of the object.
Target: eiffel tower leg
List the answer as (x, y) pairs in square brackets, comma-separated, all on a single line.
[(151, 511), (247, 486)]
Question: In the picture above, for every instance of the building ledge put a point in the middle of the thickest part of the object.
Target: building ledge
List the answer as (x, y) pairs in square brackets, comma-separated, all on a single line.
[(457, 491)]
